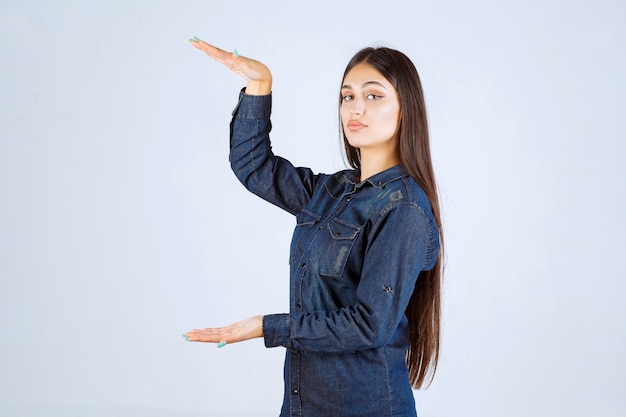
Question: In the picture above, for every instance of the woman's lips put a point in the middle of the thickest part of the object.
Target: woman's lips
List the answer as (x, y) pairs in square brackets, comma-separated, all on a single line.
[(355, 125)]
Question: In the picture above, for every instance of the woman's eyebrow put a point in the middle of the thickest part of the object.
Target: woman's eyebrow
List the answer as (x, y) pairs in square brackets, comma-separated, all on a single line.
[(365, 84)]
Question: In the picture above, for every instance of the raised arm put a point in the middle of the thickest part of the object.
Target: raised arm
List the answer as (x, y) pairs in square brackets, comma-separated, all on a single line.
[(267, 175)]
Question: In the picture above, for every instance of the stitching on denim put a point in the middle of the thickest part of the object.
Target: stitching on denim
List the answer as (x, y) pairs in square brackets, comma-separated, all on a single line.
[(390, 206), (389, 390), (330, 193), (254, 177)]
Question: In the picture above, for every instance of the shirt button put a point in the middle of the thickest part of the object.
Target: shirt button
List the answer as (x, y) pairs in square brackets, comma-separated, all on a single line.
[(299, 305), (294, 392), (303, 265)]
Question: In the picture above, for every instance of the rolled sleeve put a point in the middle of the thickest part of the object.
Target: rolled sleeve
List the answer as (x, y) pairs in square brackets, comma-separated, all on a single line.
[(276, 330), (253, 107)]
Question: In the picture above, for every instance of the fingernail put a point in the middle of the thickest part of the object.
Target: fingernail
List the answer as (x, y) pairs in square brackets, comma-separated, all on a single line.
[(236, 53), (186, 337), (197, 39), (221, 344)]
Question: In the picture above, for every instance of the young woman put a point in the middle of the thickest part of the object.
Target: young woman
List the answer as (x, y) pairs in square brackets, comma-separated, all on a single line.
[(366, 253)]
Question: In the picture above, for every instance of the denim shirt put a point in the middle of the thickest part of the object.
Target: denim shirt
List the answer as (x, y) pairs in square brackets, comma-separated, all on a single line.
[(357, 250)]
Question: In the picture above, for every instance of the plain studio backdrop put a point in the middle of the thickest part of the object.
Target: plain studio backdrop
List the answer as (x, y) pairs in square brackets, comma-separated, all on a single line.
[(122, 226)]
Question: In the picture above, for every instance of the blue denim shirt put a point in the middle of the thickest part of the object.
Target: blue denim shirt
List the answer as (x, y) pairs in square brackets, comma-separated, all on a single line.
[(356, 252)]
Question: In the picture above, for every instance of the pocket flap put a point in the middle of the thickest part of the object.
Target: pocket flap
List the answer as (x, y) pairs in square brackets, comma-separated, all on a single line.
[(340, 229)]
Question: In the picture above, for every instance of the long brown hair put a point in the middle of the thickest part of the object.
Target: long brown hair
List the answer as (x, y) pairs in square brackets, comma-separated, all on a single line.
[(424, 309)]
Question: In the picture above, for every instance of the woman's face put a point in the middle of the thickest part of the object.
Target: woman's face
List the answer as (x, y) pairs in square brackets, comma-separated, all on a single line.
[(370, 111)]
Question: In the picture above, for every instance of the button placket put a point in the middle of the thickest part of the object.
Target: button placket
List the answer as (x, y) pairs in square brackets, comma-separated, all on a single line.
[(298, 297)]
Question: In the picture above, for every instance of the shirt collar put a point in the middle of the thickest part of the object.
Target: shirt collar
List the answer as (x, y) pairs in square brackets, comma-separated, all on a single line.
[(381, 179)]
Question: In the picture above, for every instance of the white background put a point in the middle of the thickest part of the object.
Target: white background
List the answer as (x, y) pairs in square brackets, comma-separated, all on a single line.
[(121, 225)]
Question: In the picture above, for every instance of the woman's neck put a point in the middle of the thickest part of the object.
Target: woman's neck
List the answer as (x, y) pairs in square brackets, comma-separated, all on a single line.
[(375, 162)]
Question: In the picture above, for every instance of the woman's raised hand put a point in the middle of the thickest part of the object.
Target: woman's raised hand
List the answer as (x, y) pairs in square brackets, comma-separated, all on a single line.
[(257, 75)]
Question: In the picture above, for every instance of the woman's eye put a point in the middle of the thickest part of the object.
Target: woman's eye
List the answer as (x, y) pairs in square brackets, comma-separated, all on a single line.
[(373, 97), (347, 97)]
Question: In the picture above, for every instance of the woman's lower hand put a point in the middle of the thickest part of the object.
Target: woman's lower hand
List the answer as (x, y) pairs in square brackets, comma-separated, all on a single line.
[(257, 75), (237, 332)]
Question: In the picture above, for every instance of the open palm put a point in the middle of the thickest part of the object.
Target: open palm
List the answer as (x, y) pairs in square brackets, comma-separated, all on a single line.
[(257, 75)]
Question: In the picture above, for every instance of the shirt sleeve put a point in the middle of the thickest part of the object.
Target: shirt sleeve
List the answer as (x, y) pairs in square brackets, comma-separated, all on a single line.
[(402, 245), (268, 176)]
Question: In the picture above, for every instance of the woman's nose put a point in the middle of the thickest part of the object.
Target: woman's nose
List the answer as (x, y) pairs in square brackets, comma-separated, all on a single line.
[(356, 109)]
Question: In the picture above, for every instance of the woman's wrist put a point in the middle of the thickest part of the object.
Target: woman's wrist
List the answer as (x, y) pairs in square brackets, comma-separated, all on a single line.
[(259, 88)]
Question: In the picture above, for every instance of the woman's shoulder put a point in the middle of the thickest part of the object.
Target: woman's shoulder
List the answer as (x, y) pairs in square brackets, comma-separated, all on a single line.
[(336, 183), (415, 193), (396, 187), (344, 175)]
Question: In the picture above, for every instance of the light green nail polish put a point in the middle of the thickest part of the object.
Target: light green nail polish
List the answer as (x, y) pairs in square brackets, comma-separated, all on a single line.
[(236, 53), (221, 344), (186, 337)]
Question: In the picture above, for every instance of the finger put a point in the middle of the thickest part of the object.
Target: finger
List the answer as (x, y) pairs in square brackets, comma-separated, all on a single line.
[(199, 337), (209, 335), (213, 51), (208, 332)]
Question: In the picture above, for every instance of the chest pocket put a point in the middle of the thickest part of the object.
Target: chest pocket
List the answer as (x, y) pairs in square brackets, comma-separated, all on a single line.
[(332, 247)]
